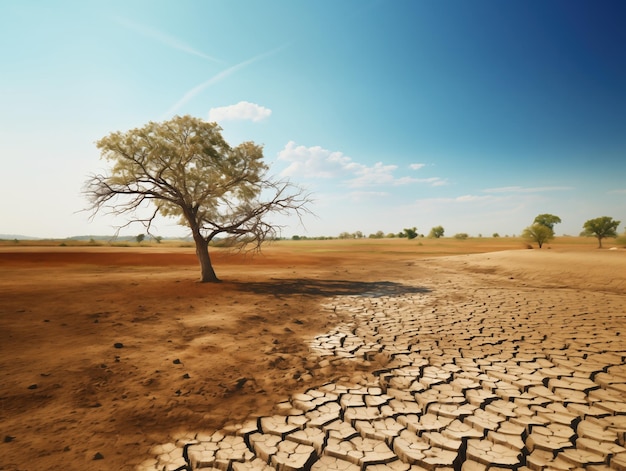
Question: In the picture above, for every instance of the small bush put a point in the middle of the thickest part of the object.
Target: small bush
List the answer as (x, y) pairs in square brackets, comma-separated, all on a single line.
[(461, 236), (436, 232)]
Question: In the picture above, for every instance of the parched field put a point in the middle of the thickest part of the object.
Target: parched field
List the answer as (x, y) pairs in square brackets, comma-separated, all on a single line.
[(116, 358)]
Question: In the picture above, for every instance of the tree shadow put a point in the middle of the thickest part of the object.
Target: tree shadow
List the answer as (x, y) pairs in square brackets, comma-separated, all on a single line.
[(328, 288)]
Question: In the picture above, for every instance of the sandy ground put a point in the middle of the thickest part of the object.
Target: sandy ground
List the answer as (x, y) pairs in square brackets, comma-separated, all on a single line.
[(105, 352)]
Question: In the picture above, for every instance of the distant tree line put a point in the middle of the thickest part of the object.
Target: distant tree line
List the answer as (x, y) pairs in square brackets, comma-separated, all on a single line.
[(540, 231)]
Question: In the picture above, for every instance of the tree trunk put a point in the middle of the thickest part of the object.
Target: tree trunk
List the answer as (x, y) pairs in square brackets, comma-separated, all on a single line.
[(599, 242), (206, 267)]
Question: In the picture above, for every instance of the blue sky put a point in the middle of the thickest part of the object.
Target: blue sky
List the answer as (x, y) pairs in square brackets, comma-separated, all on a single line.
[(473, 115)]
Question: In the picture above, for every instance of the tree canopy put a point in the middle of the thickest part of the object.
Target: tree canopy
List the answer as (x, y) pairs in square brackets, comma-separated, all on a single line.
[(186, 169), (548, 220), (601, 228)]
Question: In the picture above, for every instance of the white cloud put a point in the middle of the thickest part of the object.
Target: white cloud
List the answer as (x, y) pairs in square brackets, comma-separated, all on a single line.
[(379, 174), (521, 189), (243, 110), (618, 192), (416, 166), (317, 162)]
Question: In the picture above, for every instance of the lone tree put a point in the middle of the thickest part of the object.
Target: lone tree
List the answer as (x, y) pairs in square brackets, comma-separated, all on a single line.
[(186, 169), (538, 233), (436, 232), (548, 220), (601, 228)]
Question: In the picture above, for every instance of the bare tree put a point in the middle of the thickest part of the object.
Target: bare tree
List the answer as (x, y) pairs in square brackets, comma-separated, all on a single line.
[(186, 169)]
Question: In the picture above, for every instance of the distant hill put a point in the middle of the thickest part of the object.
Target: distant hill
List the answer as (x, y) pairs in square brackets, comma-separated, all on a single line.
[(104, 238), (101, 237), (17, 237), (119, 238)]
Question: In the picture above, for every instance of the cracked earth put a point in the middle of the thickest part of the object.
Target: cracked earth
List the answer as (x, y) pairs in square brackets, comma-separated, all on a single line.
[(459, 371)]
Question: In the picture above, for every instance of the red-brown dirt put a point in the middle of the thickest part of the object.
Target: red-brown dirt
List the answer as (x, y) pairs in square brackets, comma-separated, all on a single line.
[(107, 351)]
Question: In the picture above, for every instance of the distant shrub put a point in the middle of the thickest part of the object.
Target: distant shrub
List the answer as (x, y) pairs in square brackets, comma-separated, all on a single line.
[(411, 233), (436, 232), (495, 234), (461, 236)]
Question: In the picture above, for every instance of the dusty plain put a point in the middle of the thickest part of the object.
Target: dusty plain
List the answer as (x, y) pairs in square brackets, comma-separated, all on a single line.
[(106, 352)]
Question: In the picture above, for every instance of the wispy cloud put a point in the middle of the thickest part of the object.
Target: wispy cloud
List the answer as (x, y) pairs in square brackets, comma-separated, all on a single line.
[(164, 38), (243, 110), (317, 162), (618, 192), (471, 198), (522, 189), (416, 166), (430, 181), (463, 199), (218, 78), (367, 195)]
